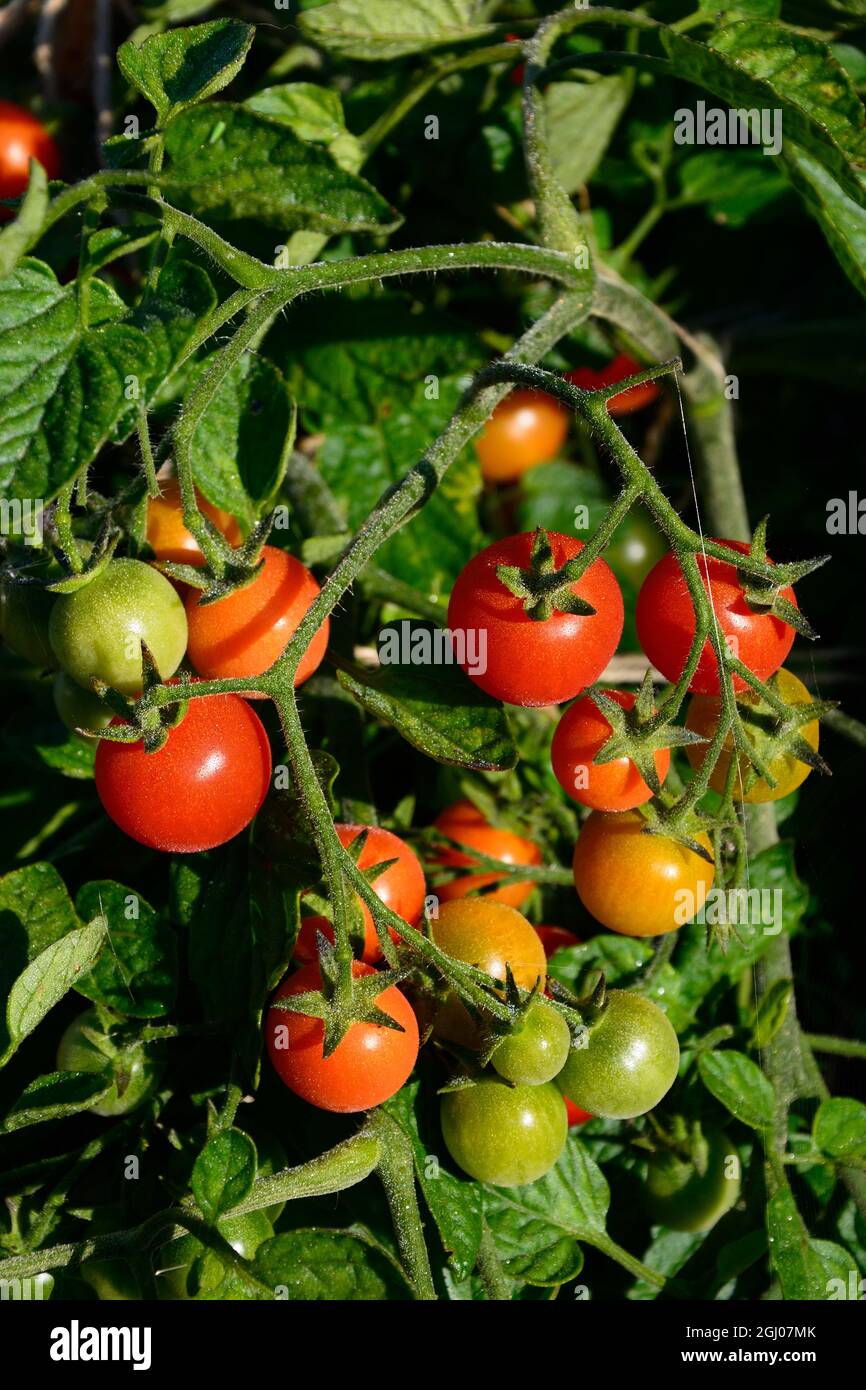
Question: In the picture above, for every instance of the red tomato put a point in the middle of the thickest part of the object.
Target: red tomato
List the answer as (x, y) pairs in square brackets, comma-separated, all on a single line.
[(22, 136), (627, 402), (576, 1116), (525, 429), (527, 661), (401, 887), (168, 537), (614, 786), (367, 1067), (556, 939), (666, 622), (464, 823), (200, 789), (516, 74), (244, 634)]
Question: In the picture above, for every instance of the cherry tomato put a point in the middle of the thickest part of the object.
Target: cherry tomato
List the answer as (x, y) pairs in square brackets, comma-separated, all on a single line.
[(634, 883), (627, 402), (22, 137), (666, 622), (369, 1065), (528, 661), (185, 1268), (537, 1051), (167, 536), (97, 631), (555, 939), (683, 1199), (245, 633), (78, 708), (25, 611), (200, 789), (504, 1135), (629, 1060), (487, 935), (576, 1116), (760, 720), (525, 429), (613, 786), (464, 823), (516, 74), (131, 1067)]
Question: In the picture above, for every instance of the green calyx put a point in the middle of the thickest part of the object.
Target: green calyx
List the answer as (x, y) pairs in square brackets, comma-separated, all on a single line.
[(543, 588), (339, 1008), (763, 593), (637, 734)]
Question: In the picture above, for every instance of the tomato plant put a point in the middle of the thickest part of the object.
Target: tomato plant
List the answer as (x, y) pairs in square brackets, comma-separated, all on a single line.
[(605, 786), (555, 939), (626, 1063), (687, 1198), (167, 535), (465, 824), (525, 429), (536, 1051), (131, 1070), (504, 1135)]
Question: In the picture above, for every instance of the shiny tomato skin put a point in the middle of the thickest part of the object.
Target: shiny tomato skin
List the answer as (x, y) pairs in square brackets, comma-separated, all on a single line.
[(22, 137), (627, 402), (555, 939), (504, 1135), (487, 935), (666, 622), (244, 634), (613, 786), (631, 882), (537, 1051), (167, 536), (464, 823), (531, 662), (629, 1060), (525, 429), (368, 1066), (200, 789)]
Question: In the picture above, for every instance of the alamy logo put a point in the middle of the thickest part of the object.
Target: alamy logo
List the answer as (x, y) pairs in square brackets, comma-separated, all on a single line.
[(411, 644), (729, 126), (77, 1343), (22, 518)]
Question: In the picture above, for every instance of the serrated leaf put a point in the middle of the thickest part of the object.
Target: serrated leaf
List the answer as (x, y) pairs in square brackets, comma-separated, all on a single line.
[(35, 911), (46, 979), (381, 30), (137, 976), (53, 1097), (839, 1128), (223, 1173), (328, 1266), (229, 162), (313, 113), (183, 66), (739, 1084)]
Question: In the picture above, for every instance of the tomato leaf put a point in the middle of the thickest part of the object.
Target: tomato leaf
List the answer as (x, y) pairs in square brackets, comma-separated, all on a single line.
[(224, 1172), (841, 218), (137, 976), (180, 67), (49, 744), (581, 120), (47, 978), (53, 1097), (329, 1266), (839, 1128), (739, 1084), (380, 30), (805, 1266)]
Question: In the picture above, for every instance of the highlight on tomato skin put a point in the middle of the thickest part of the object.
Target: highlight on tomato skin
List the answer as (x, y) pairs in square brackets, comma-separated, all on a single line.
[(22, 137), (526, 428)]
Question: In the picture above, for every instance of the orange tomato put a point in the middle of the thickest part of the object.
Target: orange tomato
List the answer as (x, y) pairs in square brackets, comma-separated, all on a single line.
[(464, 823), (525, 429), (167, 536)]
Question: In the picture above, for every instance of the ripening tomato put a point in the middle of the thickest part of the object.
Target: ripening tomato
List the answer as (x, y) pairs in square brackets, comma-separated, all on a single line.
[(167, 536), (627, 402), (575, 1115), (555, 939), (464, 823), (25, 611), (22, 137), (487, 935), (504, 1135), (613, 786), (244, 634), (759, 719), (528, 661), (634, 883), (634, 548), (628, 1062), (200, 789), (368, 1065), (683, 1199), (666, 622), (525, 429), (78, 708), (401, 888)]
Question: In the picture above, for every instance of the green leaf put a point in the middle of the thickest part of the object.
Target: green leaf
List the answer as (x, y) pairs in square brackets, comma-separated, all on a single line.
[(740, 1085), (35, 912), (376, 31), (53, 1097), (183, 66), (108, 244), (313, 113), (839, 1128), (137, 976), (454, 1204), (223, 1173), (66, 387), (229, 162), (734, 184), (536, 1229), (48, 743), (15, 239), (806, 1267), (47, 978), (581, 119), (771, 1012), (327, 1266), (242, 445), (764, 65), (841, 218), (437, 709)]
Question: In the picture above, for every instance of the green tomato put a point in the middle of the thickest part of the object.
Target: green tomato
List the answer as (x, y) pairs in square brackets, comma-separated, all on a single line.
[(111, 1280), (538, 1051), (25, 611), (628, 1062), (685, 1200), (634, 548), (78, 708), (186, 1269), (133, 1070), (504, 1135), (98, 630)]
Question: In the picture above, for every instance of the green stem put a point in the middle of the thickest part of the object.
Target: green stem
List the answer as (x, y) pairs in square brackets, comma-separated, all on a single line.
[(629, 1262), (496, 1283), (838, 1047), (397, 1172)]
